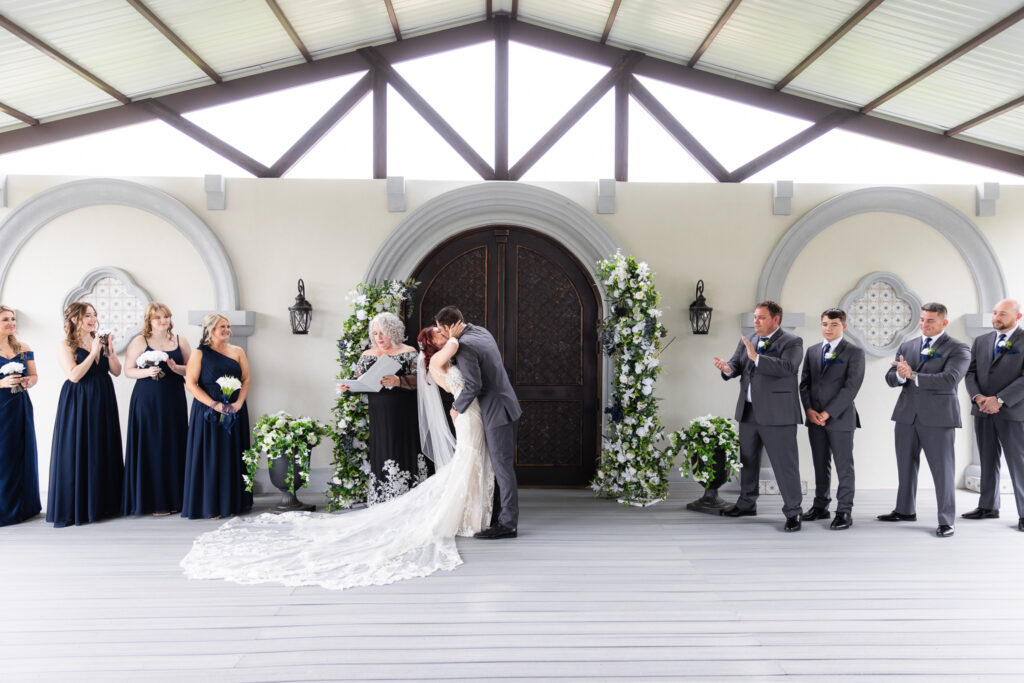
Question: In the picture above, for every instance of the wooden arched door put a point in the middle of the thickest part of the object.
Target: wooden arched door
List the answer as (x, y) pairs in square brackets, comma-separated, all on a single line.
[(542, 308)]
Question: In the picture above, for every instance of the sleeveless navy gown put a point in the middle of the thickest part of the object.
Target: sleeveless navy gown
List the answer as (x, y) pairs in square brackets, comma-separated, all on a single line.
[(19, 467), (154, 459), (86, 469), (213, 459)]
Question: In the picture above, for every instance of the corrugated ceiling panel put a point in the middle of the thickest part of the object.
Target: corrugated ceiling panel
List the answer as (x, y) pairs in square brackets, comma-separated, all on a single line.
[(7, 122), (111, 40), (892, 43), (665, 28), (34, 84), (1006, 130), (423, 16), (983, 79), (328, 28), (579, 17), (234, 37), (765, 39)]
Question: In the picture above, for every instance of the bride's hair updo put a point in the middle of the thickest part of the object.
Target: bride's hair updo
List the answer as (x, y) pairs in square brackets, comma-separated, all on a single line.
[(425, 339)]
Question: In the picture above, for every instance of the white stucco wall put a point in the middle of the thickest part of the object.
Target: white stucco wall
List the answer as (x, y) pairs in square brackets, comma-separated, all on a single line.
[(325, 231)]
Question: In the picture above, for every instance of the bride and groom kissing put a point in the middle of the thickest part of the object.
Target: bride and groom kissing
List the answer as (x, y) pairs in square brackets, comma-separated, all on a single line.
[(411, 535)]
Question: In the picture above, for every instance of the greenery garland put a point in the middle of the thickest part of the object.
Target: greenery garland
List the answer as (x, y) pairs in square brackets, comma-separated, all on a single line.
[(281, 435), (351, 429), (702, 441), (632, 468)]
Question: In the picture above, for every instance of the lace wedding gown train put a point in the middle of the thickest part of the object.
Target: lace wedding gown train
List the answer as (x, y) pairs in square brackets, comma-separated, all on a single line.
[(409, 536)]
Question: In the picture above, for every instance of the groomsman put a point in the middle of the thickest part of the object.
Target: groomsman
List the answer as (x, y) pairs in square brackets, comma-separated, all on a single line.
[(995, 382), (768, 411), (831, 377), (928, 368)]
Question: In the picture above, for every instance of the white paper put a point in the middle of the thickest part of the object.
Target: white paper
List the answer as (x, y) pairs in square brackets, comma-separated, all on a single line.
[(369, 381)]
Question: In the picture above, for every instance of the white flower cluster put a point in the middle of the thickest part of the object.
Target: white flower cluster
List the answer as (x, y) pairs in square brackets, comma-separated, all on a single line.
[(12, 368), (151, 358), (710, 445), (229, 384), (281, 435)]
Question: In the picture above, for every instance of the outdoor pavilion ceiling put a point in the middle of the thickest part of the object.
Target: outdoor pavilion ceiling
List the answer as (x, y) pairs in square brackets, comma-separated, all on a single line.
[(945, 76)]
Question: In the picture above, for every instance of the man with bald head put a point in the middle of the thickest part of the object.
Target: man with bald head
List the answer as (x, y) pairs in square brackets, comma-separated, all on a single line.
[(995, 382)]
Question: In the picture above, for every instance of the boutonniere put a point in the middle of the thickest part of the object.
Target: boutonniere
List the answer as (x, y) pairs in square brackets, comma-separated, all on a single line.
[(929, 353), (831, 358), (1006, 346), (764, 346)]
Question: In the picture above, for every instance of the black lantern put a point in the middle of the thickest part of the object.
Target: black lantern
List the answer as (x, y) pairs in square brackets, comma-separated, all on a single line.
[(700, 312), (301, 312)]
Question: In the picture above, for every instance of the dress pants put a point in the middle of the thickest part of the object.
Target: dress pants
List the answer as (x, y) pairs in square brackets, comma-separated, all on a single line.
[(937, 443), (994, 435), (826, 445), (780, 443)]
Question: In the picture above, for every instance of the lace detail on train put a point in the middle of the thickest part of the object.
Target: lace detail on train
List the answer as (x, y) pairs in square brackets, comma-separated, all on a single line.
[(409, 536)]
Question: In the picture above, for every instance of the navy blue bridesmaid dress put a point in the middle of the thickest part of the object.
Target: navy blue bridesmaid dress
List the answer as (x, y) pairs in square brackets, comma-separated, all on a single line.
[(154, 458), (213, 458), (19, 466), (86, 466)]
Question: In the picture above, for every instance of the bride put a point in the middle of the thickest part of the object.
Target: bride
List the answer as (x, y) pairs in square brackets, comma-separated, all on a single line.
[(409, 536)]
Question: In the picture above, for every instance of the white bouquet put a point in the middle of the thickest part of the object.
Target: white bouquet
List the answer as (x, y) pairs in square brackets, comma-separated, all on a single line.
[(150, 359), (14, 368), (229, 385)]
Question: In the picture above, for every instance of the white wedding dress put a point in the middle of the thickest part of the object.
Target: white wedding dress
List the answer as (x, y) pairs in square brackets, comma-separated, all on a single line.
[(409, 536)]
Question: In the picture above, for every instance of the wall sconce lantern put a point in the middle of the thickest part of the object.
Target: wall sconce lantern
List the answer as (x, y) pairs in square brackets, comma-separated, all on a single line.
[(700, 312), (301, 312)]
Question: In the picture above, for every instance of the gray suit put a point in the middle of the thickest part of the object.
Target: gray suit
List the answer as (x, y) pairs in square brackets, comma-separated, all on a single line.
[(480, 362), (1001, 376), (831, 388), (926, 415), (770, 419)]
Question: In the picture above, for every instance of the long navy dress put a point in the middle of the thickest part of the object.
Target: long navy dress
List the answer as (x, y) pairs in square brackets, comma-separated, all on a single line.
[(19, 466), (154, 458), (213, 459), (86, 469)]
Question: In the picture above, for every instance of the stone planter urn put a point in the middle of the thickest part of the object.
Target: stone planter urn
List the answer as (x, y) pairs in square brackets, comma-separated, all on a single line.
[(279, 478), (710, 502)]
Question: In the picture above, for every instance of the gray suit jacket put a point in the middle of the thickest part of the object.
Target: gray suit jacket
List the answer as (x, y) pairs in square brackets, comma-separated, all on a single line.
[(772, 382), (1002, 376), (833, 388), (479, 360), (932, 400)]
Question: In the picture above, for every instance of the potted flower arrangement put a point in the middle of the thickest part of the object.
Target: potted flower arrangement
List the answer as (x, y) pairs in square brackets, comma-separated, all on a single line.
[(288, 442), (711, 447)]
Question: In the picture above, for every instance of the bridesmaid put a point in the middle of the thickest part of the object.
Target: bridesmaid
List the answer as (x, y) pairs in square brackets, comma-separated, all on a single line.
[(19, 467), (86, 469), (218, 429), (154, 459)]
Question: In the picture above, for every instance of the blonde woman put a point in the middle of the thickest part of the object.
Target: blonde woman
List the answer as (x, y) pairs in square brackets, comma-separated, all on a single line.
[(154, 458), (86, 466), (19, 465), (218, 430)]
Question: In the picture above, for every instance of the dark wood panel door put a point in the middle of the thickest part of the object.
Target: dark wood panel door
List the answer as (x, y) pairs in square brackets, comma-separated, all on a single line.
[(542, 309)]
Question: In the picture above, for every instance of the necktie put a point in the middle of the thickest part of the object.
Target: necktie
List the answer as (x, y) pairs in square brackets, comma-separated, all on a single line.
[(995, 352), (824, 354), (925, 346)]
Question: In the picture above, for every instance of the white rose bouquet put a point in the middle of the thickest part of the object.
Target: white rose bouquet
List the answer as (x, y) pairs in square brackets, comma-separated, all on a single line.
[(16, 369), (152, 358)]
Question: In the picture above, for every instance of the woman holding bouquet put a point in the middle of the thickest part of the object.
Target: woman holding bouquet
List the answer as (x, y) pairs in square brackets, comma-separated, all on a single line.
[(19, 467), (154, 459), (217, 375), (86, 469)]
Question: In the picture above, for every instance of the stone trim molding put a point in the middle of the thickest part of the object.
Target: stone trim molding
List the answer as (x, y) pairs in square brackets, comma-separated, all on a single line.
[(974, 248), (36, 212), (902, 292)]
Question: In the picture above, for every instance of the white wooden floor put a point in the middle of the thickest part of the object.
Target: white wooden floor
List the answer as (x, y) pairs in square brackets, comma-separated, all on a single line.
[(589, 590)]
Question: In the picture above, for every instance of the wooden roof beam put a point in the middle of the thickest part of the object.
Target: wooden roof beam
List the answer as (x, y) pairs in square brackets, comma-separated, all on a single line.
[(611, 20), (61, 58), (21, 116), (787, 147), (713, 33), (855, 19), (982, 118), (170, 35), (394, 19), (946, 59), (289, 29)]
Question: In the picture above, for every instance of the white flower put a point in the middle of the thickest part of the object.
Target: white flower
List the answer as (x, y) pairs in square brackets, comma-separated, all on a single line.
[(152, 357), (229, 384), (360, 314), (12, 368)]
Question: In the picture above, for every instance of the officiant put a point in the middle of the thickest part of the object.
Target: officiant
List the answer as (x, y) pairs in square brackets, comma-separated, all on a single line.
[(396, 463)]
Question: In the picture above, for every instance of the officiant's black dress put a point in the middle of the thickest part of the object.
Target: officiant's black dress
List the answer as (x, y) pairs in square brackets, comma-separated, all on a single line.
[(86, 466), (154, 458), (19, 469), (396, 464)]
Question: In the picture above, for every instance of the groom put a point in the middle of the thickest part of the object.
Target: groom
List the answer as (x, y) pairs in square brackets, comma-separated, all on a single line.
[(479, 360)]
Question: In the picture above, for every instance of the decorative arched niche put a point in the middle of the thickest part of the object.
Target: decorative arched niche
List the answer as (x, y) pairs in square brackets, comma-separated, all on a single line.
[(38, 211)]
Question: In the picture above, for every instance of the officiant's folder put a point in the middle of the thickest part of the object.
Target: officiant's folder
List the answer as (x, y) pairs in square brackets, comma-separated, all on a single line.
[(369, 381)]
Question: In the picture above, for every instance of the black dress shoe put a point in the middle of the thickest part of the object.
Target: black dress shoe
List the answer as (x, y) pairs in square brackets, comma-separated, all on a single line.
[(792, 523), (842, 521), (737, 512), (944, 530), (816, 513), (897, 517), (981, 513), (1020, 524), (496, 531)]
